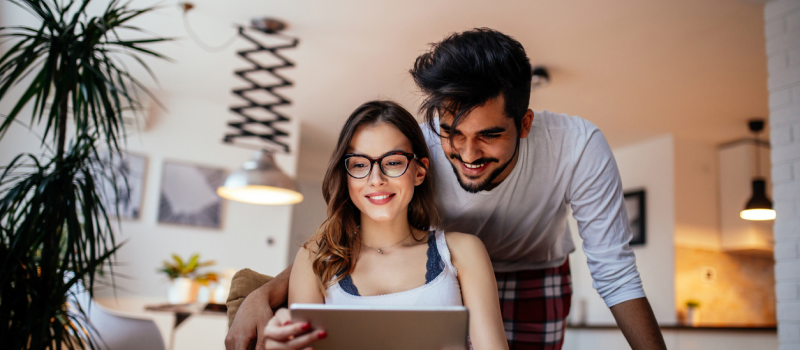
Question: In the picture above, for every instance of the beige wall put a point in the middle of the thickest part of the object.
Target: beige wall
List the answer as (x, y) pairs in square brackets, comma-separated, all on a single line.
[(306, 216), (741, 291), (696, 195)]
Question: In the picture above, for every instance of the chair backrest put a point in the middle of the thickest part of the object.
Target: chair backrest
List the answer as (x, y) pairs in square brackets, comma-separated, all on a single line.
[(119, 332)]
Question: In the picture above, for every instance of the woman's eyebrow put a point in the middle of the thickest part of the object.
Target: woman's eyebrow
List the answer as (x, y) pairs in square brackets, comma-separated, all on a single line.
[(394, 151), (356, 153)]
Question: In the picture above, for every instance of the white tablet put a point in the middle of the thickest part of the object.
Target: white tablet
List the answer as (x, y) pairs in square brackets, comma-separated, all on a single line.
[(386, 327)]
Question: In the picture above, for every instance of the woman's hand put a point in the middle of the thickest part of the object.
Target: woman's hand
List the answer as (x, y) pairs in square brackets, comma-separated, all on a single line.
[(282, 333)]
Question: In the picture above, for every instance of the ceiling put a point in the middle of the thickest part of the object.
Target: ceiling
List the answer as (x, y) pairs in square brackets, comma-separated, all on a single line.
[(637, 69)]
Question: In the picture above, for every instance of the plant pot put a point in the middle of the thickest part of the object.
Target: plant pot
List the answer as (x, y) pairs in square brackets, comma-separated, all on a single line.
[(692, 316), (181, 291)]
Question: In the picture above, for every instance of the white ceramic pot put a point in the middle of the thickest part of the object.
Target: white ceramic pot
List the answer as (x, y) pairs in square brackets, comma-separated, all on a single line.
[(204, 294), (692, 316), (221, 292), (180, 291)]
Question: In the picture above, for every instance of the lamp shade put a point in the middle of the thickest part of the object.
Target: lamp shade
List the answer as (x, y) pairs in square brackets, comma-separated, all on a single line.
[(759, 207), (260, 181)]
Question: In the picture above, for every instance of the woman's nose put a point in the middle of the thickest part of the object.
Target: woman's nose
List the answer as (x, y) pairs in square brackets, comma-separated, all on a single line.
[(376, 176)]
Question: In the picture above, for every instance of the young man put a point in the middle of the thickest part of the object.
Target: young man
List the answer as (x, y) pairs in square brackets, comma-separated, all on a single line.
[(507, 174)]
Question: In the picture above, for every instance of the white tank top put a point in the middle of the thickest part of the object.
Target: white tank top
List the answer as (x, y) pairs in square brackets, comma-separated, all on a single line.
[(443, 290)]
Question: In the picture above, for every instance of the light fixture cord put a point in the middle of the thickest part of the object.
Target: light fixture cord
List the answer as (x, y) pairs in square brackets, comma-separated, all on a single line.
[(758, 156), (196, 38)]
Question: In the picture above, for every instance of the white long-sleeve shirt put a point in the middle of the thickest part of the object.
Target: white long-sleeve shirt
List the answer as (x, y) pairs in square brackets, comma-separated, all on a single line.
[(565, 160)]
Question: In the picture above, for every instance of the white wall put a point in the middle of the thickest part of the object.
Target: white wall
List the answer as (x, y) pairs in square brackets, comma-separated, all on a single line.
[(782, 19), (647, 165)]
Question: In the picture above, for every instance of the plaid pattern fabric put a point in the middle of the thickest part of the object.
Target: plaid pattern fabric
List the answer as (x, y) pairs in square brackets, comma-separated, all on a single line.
[(535, 304)]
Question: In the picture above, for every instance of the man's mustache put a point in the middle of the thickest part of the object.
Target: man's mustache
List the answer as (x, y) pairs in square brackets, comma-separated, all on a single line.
[(478, 161)]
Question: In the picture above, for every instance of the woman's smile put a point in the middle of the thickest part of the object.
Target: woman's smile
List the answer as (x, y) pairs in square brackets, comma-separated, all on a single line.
[(380, 198)]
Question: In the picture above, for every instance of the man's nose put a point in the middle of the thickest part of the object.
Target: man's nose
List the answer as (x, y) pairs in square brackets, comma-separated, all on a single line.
[(469, 150)]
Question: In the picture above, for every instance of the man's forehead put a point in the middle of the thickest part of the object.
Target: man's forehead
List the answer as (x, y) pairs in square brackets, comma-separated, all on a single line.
[(491, 114), (477, 121)]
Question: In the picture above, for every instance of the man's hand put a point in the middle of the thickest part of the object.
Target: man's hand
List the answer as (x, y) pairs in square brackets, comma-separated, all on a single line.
[(247, 329), (638, 323)]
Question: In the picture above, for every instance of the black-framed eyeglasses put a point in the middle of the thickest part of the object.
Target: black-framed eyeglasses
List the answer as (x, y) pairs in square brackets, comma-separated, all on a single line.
[(392, 164)]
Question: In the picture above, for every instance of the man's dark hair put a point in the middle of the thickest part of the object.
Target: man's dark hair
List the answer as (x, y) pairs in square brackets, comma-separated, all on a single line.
[(465, 70)]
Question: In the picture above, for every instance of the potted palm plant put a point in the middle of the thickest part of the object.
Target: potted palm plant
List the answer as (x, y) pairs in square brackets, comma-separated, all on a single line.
[(55, 234)]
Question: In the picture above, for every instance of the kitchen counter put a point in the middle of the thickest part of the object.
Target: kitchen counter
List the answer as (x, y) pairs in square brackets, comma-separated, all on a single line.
[(737, 328), (677, 337)]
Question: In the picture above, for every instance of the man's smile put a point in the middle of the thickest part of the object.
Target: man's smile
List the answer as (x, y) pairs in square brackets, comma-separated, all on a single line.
[(473, 170)]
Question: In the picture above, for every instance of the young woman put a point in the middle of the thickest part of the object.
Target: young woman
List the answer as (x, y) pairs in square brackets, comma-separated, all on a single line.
[(379, 245)]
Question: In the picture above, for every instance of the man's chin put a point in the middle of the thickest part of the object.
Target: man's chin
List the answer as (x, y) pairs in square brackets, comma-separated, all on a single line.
[(473, 184), (472, 187)]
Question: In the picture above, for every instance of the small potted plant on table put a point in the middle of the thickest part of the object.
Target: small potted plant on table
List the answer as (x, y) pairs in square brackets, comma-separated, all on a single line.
[(185, 278)]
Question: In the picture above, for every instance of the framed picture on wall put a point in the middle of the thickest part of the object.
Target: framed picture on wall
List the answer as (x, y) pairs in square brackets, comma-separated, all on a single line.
[(635, 205), (122, 185), (189, 195)]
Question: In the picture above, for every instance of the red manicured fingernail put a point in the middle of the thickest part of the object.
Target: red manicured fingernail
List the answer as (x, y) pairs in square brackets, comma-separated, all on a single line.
[(306, 326), (287, 322), (322, 335)]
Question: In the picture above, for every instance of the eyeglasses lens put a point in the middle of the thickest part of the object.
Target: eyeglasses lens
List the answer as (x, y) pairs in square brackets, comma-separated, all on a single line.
[(357, 166), (393, 166)]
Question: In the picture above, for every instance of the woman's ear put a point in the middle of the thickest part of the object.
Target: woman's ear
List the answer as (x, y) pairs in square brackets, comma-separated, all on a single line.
[(421, 171)]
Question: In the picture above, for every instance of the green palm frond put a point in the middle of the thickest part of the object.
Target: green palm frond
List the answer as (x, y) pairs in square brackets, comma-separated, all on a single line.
[(50, 199), (55, 232), (75, 67)]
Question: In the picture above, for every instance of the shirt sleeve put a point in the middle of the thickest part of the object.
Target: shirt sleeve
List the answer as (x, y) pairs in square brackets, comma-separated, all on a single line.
[(595, 193)]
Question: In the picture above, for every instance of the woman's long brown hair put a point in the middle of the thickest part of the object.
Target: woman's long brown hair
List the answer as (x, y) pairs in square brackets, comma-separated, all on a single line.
[(337, 244)]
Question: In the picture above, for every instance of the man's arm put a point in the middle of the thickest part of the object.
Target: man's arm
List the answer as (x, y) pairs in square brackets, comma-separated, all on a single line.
[(248, 325), (278, 288), (595, 192), (638, 323)]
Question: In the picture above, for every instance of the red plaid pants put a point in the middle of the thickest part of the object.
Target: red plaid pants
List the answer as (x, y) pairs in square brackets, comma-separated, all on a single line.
[(535, 305)]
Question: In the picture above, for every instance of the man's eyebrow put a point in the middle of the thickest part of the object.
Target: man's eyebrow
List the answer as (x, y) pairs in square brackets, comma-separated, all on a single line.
[(494, 130)]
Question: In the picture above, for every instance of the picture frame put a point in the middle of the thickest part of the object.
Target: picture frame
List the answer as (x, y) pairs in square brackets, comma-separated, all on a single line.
[(635, 204), (188, 195), (127, 172)]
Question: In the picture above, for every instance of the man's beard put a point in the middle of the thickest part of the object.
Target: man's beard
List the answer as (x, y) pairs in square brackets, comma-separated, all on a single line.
[(486, 184)]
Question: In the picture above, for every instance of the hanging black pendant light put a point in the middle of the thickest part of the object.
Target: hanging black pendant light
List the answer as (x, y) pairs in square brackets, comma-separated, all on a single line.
[(759, 207)]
